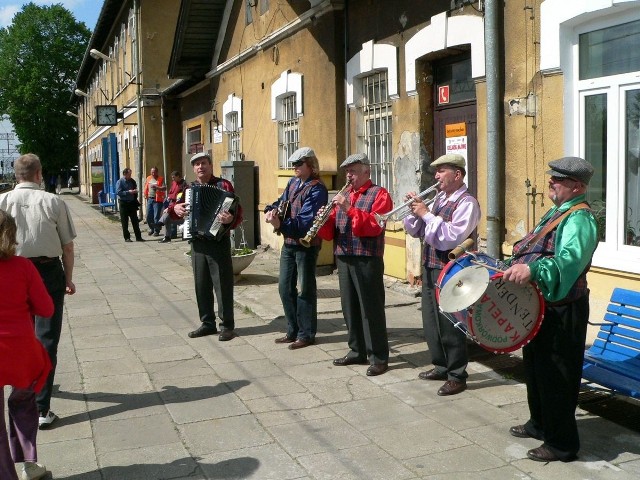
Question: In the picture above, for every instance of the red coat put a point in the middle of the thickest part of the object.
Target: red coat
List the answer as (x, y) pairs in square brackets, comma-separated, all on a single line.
[(24, 363)]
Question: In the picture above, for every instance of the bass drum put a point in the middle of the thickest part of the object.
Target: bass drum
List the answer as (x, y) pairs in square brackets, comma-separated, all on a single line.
[(467, 260), (507, 316)]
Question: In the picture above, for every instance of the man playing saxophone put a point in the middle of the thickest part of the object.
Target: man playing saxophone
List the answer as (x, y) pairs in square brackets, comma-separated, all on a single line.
[(359, 247), (306, 194)]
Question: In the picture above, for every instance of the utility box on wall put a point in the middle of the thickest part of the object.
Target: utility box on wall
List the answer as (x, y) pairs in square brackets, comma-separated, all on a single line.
[(242, 175)]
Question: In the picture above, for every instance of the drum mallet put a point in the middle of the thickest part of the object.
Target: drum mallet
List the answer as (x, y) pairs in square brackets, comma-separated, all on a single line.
[(460, 249)]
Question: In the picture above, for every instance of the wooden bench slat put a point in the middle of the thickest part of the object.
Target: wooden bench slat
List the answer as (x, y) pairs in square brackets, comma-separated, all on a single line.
[(613, 360), (611, 380)]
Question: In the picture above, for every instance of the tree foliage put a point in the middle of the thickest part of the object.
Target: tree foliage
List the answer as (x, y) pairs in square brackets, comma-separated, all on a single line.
[(39, 57)]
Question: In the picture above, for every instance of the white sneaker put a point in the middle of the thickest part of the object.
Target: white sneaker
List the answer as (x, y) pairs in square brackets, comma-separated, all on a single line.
[(46, 420), (33, 471)]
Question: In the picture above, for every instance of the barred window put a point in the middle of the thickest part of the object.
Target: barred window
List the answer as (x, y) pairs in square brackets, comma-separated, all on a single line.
[(233, 132), (194, 140), (288, 130), (374, 132)]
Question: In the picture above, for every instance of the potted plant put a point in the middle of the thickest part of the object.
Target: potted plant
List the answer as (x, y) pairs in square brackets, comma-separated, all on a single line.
[(241, 257)]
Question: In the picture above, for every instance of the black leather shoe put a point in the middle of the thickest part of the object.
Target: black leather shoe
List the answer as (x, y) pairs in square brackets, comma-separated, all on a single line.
[(377, 369), (347, 360), (285, 339), (432, 375), (451, 387), (203, 331), (520, 432), (164, 240), (140, 240), (300, 343), (543, 454), (128, 240), (227, 334)]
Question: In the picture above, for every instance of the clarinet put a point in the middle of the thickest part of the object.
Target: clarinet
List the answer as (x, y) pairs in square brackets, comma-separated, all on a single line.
[(320, 220)]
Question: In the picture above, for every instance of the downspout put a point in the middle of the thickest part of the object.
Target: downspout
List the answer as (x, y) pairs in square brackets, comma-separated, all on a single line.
[(136, 15), (347, 123), (164, 140), (494, 64)]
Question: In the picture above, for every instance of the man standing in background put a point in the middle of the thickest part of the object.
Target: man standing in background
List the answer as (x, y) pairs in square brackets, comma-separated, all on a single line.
[(154, 193)]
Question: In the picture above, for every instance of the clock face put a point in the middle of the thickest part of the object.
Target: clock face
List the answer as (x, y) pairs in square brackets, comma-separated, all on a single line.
[(106, 115)]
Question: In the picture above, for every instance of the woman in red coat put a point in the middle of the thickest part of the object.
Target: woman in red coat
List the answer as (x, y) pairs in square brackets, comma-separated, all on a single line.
[(24, 364)]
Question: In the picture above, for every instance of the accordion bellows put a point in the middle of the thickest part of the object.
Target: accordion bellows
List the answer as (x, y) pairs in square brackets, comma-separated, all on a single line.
[(206, 203)]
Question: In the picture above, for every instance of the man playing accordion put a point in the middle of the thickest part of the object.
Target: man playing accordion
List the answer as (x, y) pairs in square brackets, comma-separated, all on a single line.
[(211, 258)]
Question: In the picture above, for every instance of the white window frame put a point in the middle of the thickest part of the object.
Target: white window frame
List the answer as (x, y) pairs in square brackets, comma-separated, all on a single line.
[(612, 253), (368, 113), (288, 88)]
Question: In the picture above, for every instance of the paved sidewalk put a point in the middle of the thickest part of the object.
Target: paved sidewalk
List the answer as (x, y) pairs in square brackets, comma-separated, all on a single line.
[(138, 399)]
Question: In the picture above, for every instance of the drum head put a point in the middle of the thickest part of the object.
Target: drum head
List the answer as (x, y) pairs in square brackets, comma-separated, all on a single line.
[(464, 288), (507, 316)]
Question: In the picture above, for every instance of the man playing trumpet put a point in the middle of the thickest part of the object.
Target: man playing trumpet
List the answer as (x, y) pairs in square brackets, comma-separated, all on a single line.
[(359, 247), (450, 219), (305, 195)]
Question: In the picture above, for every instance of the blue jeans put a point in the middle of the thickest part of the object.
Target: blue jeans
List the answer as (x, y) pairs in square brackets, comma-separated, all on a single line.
[(300, 308), (154, 211)]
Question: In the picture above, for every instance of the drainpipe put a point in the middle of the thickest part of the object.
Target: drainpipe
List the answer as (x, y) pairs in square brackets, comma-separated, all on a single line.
[(494, 51), (136, 15), (347, 143), (164, 141)]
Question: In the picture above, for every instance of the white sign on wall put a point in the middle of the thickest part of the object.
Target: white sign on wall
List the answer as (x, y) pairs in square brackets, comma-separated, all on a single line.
[(457, 145), (217, 134)]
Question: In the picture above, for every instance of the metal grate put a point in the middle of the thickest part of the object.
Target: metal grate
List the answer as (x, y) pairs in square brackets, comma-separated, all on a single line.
[(288, 130)]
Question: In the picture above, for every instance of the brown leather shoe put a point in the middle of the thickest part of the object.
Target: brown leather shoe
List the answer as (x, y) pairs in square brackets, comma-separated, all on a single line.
[(299, 343), (347, 360), (227, 334), (432, 375), (285, 339), (451, 387), (542, 454), (521, 432), (377, 369)]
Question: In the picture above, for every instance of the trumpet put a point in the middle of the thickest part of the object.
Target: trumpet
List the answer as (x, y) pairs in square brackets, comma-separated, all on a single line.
[(382, 219), (321, 219)]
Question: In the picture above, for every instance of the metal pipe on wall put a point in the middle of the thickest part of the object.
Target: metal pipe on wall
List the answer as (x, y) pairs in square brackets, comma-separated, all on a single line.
[(494, 65), (136, 15)]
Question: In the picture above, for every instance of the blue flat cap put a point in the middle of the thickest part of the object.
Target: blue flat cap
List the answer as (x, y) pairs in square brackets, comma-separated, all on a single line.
[(571, 167), (300, 154), (355, 158)]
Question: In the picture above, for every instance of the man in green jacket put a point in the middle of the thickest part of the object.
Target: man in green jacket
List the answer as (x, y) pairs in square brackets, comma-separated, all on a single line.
[(556, 255)]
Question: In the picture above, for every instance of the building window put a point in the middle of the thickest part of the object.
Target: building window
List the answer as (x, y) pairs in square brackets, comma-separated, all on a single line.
[(288, 130), (608, 106), (233, 135), (194, 140), (374, 127)]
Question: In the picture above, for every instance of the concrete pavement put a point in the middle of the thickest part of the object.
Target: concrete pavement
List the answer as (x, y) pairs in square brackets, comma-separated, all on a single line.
[(138, 399)]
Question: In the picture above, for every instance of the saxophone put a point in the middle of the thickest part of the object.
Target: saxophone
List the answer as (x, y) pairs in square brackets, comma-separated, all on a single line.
[(321, 219)]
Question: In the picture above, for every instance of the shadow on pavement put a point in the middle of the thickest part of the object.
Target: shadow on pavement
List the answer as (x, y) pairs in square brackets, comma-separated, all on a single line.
[(241, 467), (125, 402)]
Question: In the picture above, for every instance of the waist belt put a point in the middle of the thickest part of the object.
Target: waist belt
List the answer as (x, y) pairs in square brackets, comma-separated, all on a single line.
[(43, 259)]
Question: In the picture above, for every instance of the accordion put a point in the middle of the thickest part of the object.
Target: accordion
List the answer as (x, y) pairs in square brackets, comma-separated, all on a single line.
[(206, 203)]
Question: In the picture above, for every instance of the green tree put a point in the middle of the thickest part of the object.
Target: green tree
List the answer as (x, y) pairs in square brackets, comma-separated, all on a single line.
[(39, 57)]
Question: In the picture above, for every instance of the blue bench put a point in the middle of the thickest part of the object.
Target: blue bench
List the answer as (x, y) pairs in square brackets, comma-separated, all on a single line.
[(613, 361), (105, 202)]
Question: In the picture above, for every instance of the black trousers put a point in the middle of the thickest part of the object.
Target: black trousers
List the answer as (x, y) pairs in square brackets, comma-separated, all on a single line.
[(362, 298), (213, 272), (48, 330), (553, 367), (447, 344), (129, 211)]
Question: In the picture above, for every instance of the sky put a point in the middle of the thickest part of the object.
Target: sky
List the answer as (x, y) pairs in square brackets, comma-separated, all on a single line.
[(86, 11)]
